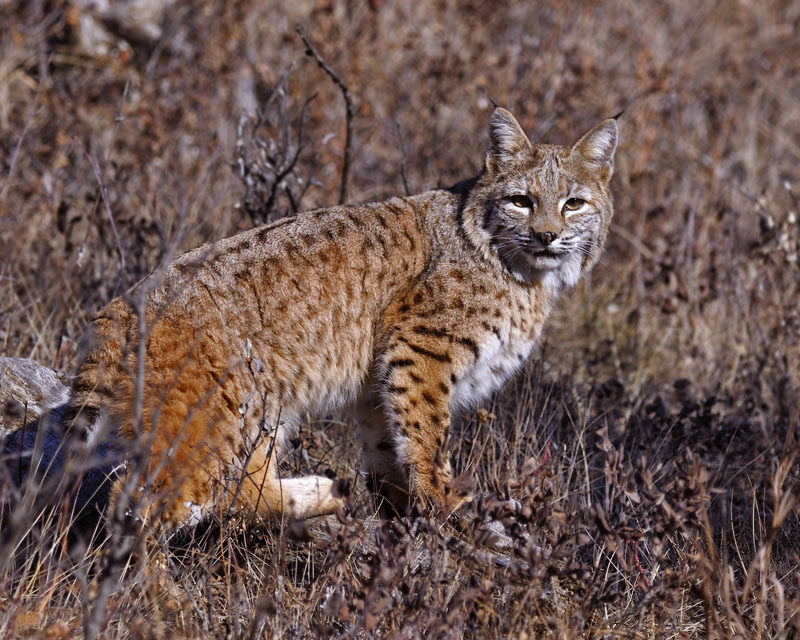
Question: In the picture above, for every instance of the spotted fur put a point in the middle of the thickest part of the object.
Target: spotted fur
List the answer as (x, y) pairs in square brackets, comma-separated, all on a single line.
[(405, 310)]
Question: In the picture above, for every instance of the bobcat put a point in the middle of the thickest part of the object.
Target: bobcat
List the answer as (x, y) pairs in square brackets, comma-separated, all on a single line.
[(405, 310)]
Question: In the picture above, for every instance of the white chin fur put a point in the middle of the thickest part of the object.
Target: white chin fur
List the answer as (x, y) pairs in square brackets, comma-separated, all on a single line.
[(563, 276), (546, 263)]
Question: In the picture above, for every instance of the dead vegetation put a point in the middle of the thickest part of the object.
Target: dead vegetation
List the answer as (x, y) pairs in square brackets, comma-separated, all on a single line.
[(639, 480)]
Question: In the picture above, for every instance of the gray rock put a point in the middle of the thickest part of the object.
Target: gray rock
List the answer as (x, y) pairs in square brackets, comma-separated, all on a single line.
[(28, 390), (42, 464)]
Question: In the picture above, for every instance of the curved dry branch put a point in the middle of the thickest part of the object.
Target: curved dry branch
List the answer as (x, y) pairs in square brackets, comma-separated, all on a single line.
[(310, 50)]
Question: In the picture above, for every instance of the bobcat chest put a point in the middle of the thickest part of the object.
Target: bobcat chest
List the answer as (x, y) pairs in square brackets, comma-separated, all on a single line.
[(502, 353)]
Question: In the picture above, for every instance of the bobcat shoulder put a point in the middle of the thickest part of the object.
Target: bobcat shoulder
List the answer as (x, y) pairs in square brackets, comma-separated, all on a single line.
[(404, 310)]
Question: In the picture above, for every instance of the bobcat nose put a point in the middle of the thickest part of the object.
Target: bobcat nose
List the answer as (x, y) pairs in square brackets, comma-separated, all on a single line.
[(545, 237)]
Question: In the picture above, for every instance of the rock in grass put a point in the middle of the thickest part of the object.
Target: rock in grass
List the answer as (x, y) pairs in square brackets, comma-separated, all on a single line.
[(27, 391), (39, 463)]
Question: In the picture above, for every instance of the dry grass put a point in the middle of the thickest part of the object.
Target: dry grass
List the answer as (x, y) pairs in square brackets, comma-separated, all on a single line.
[(651, 449)]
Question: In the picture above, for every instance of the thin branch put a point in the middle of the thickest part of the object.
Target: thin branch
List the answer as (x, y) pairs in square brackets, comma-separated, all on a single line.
[(282, 173), (310, 50), (104, 196), (278, 90)]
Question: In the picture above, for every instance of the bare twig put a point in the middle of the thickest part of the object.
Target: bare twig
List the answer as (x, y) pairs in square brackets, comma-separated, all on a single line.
[(264, 173), (285, 171), (310, 50), (279, 89), (104, 195)]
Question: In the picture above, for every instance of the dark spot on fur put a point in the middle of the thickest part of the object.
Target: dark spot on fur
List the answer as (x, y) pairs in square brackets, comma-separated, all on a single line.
[(394, 208), (471, 346), (428, 398), (357, 222), (412, 244), (440, 333), (398, 363), (429, 331), (439, 357)]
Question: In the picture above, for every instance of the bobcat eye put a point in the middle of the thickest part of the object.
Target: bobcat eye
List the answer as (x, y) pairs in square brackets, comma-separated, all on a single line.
[(573, 204), (523, 202)]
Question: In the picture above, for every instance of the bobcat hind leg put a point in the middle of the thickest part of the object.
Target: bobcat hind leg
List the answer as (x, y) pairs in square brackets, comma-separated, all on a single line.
[(265, 493), (382, 468)]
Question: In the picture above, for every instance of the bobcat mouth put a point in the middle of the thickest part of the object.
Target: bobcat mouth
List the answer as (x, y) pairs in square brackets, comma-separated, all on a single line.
[(545, 258), (527, 258), (546, 252)]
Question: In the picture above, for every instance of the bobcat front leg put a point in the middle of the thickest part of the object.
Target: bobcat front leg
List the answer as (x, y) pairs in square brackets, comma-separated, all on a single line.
[(418, 373)]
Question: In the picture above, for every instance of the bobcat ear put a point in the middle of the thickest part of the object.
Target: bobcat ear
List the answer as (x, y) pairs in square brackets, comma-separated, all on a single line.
[(506, 139), (597, 147)]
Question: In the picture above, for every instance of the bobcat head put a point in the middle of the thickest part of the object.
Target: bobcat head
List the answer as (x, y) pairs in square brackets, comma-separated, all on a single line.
[(542, 211)]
